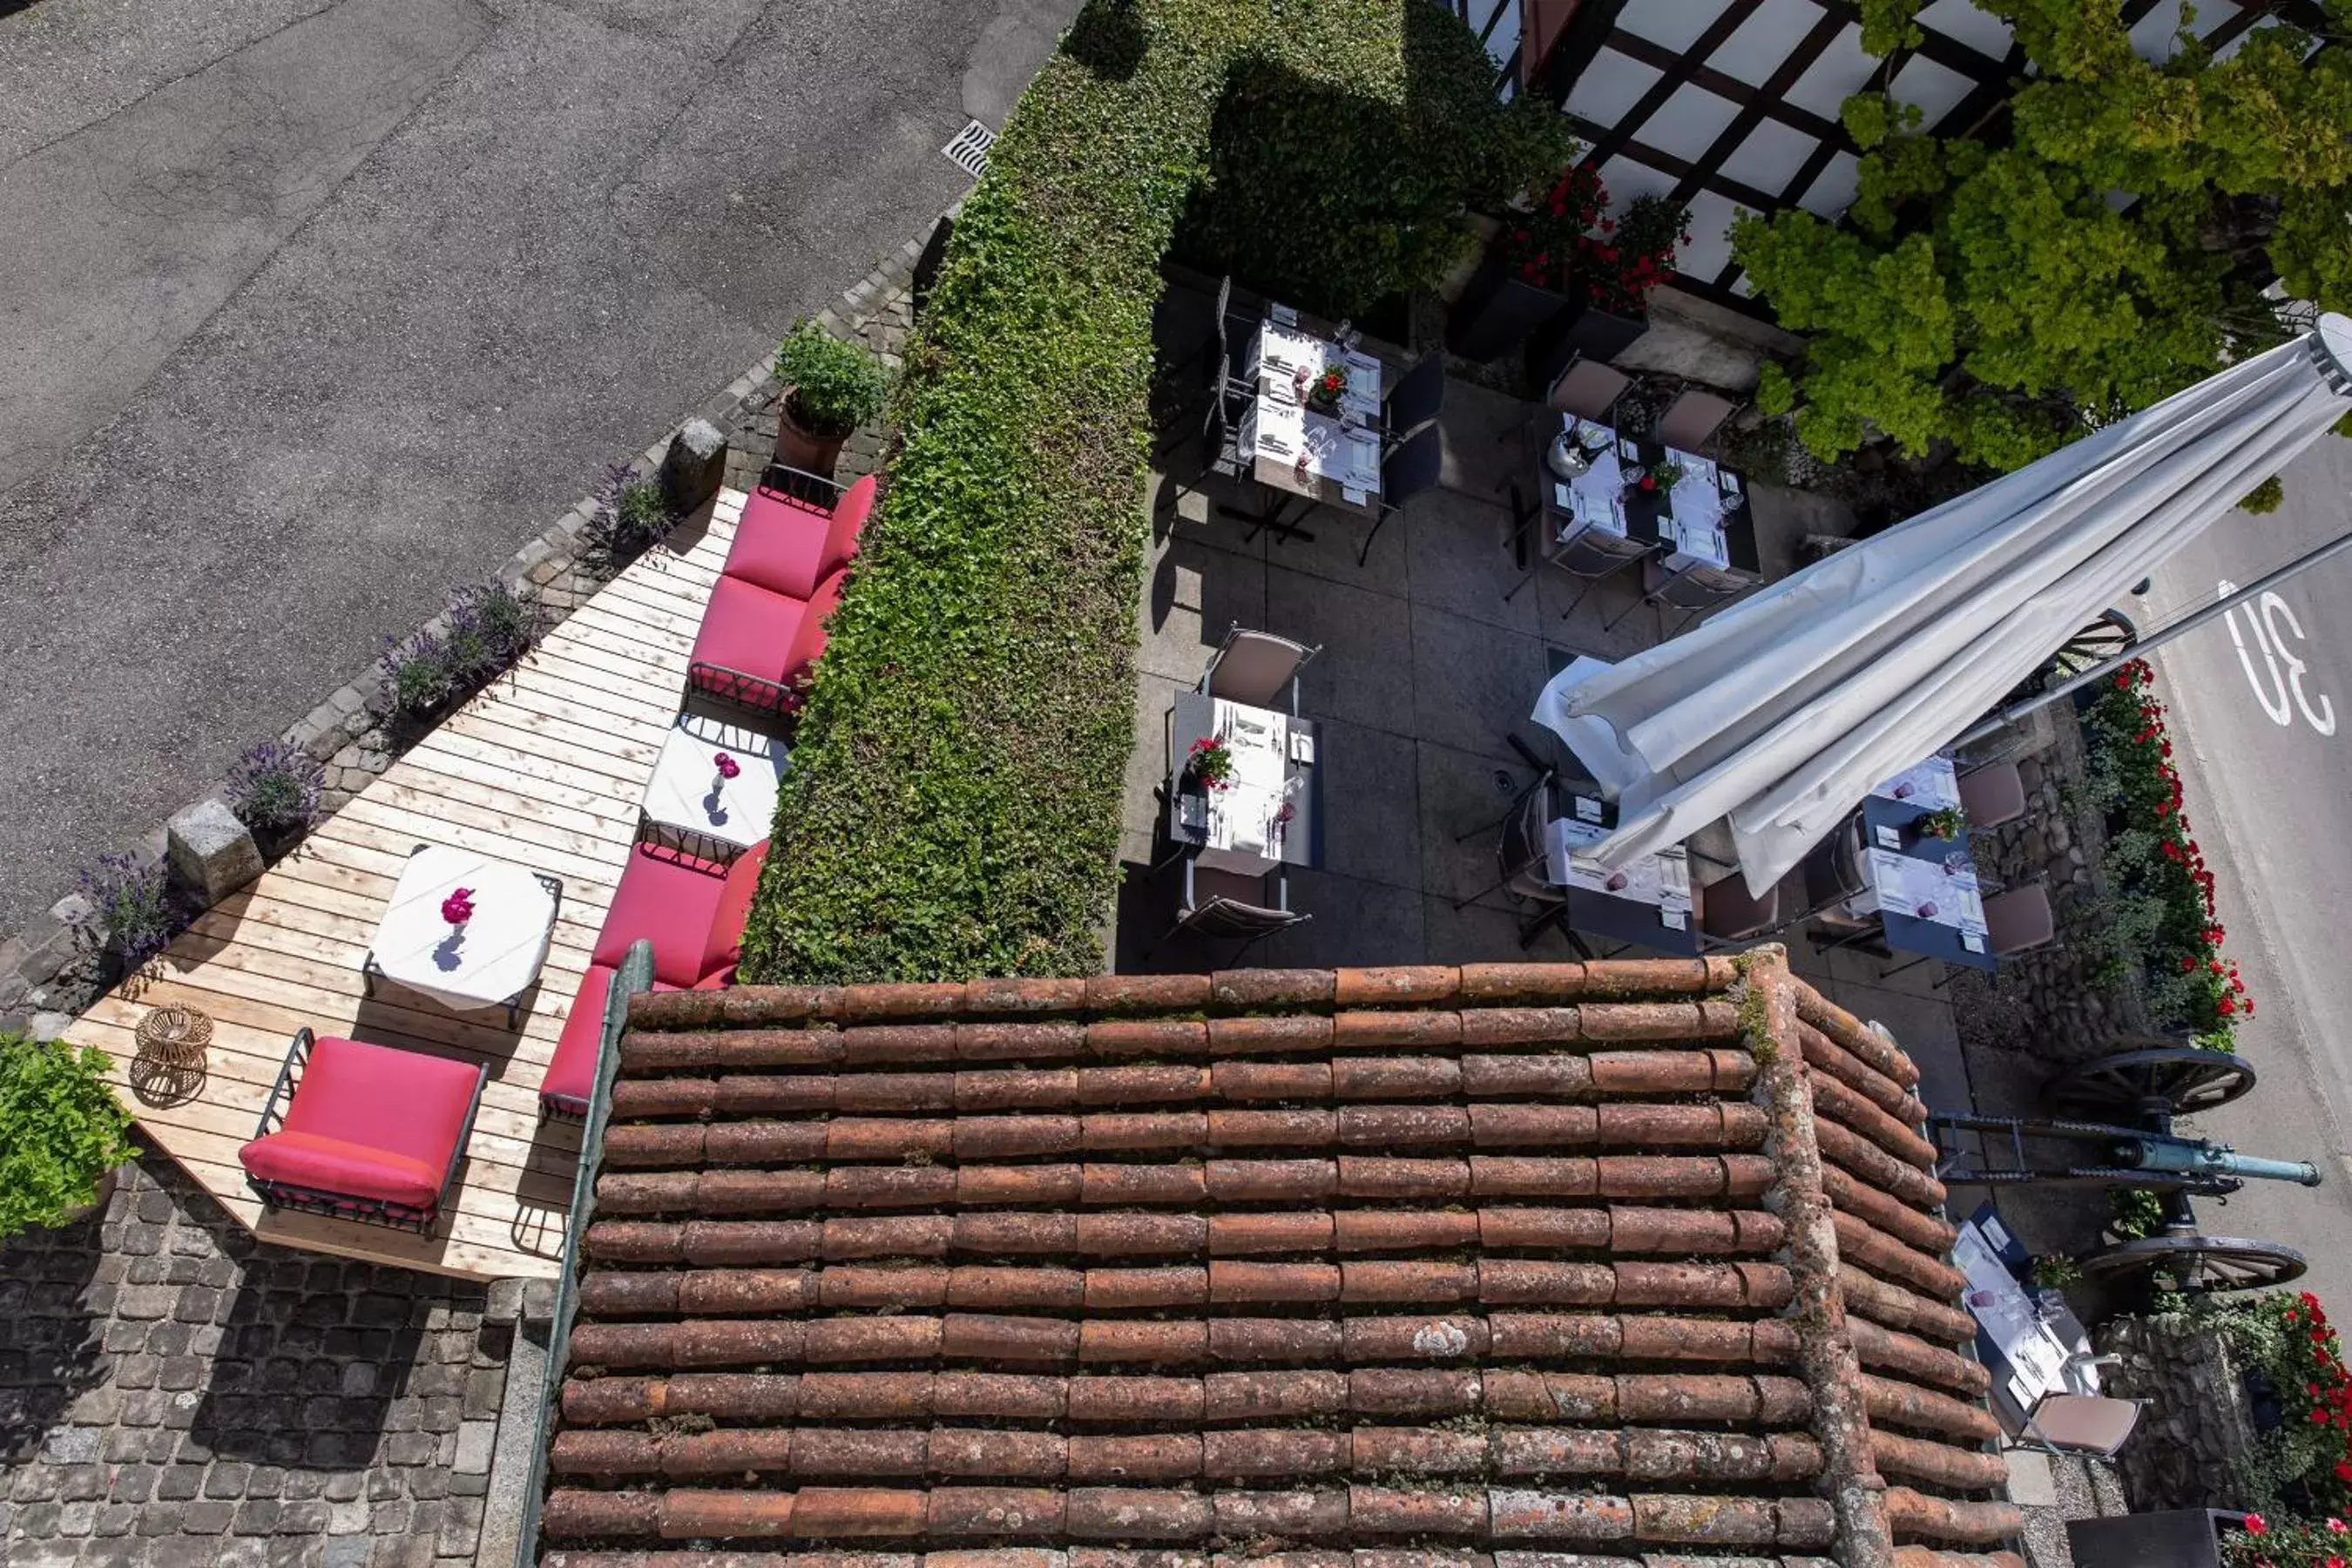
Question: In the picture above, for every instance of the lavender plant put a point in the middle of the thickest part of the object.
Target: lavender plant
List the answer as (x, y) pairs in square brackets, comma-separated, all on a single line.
[(275, 787), (130, 907)]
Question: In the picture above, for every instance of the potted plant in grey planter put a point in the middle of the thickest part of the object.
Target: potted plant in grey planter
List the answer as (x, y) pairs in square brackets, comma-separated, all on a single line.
[(830, 389), (1611, 279), (1521, 286), (62, 1133)]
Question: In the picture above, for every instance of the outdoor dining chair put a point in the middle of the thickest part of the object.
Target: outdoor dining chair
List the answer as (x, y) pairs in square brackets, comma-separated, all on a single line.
[(1216, 903), (1405, 472), (1993, 795), (2082, 1424), (1588, 389), (1728, 912), (1418, 397), (1691, 421), (1226, 361), (1254, 667)]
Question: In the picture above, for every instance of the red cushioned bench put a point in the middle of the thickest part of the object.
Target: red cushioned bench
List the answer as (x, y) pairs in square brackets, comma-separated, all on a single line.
[(365, 1133), (756, 645), (692, 911), (787, 542)]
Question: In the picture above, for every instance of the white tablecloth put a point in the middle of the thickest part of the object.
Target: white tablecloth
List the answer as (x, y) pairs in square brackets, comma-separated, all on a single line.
[(1245, 818), (1662, 879), (496, 954), (1933, 784), (1343, 448), (685, 790), (1925, 890), (2037, 1357), (1693, 525), (1595, 497)]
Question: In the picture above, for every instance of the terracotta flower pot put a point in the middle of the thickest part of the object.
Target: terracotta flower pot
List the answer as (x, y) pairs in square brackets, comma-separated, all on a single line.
[(799, 446)]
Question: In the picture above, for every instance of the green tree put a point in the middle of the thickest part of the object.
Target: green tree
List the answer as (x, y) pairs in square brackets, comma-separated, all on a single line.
[(2008, 295)]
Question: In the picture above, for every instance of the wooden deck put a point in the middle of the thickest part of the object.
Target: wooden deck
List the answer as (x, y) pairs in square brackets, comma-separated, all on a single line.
[(545, 769)]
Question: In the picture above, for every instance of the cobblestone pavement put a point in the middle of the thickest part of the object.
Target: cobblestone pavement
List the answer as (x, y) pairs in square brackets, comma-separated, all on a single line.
[(174, 1393)]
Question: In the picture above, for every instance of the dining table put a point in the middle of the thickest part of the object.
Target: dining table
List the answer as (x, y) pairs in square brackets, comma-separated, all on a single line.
[(2032, 1349), (1702, 521), (1269, 812), (1922, 888), (1647, 902), (1326, 452)]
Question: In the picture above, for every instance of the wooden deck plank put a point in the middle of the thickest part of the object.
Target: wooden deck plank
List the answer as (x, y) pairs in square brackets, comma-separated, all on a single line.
[(544, 768)]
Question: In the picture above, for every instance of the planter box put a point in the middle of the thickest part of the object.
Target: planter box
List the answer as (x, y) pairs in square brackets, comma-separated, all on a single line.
[(1498, 312), (2177, 1538), (1584, 331)]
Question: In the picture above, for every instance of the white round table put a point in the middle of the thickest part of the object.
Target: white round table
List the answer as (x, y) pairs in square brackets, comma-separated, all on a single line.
[(489, 962), (686, 791)]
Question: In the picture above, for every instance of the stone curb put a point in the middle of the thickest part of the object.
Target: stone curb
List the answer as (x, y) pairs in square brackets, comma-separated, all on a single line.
[(344, 733)]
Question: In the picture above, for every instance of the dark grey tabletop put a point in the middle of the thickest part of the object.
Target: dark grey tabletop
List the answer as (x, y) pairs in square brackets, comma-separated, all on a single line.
[(1881, 816), (1194, 715), (1620, 920)]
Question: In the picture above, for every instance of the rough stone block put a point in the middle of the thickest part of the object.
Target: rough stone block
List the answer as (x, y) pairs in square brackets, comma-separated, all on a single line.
[(210, 850), (694, 466)]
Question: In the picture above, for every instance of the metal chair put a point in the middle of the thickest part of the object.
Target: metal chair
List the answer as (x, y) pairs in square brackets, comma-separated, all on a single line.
[(1218, 352), (1588, 389), (1418, 396), (1229, 904), (1691, 421), (1412, 468), (2020, 921), (1729, 913), (1993, 795), (1254, 666), (2082, 1424)]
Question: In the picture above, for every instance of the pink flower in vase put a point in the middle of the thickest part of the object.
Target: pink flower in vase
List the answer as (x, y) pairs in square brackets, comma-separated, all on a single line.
[(728, 766), (458, 906)]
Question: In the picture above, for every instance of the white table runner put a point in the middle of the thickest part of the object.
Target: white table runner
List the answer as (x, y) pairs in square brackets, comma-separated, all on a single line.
[(498, 952), (1933, 785), (1282, 351), (1924, 889), (1693, 528), (1596, 498), (1662, 879), (1348, 455)]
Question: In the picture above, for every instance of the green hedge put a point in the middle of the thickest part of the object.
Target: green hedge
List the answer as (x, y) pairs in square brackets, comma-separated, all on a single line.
[(954, 800)]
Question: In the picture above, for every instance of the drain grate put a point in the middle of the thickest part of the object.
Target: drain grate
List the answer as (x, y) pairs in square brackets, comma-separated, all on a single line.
[(968, 150)]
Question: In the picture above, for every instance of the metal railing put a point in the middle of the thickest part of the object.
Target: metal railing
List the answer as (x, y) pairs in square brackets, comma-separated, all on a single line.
[(636, 974)]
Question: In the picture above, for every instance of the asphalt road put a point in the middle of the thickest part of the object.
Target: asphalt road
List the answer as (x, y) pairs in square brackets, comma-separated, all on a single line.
[(311, 311), (2267, 775)]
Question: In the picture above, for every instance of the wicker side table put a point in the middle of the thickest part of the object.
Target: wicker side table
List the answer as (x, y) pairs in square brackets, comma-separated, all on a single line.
[(170, 1065)]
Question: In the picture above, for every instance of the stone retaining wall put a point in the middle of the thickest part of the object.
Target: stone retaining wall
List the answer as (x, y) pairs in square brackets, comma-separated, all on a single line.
[(2198, 1424)]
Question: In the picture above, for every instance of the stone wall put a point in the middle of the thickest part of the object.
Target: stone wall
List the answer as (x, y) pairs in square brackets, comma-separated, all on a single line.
[(2198, 1424), (176, 1394)]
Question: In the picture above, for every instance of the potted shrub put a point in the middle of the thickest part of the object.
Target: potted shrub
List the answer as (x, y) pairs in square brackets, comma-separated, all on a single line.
[(62, 1133), (1521, 287), (274, 791), (1612, 272), (132, 915), (830, 389)]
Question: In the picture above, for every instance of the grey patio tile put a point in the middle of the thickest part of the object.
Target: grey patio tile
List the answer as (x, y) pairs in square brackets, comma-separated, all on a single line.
[(1477, 934), (1608, 621), (1355, 922), (1194, 593), (1371, 814), (1186, 505), (1365, 672), (1339, 535), (1463, 793), (1146, 764), (1482, 440), (1905, 972), (1460, 554), (1473, 684)]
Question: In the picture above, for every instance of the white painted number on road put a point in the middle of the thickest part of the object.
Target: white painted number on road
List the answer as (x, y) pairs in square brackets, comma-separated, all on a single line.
[(2281, 694)]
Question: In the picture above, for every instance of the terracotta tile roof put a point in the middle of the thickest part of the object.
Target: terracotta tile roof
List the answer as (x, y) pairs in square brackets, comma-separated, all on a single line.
[(1499, 1266)]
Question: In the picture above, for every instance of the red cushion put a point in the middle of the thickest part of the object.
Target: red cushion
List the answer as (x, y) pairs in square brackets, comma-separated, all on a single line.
[(781, 544), (808, 638), (371, 1122), (669, 901), (343, 1168), (750, 628), (725, 939), (849, 515), (571, 1071)]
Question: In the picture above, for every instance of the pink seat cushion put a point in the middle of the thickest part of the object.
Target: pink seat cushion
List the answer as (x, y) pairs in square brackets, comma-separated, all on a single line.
[(670, 902), (369, 1122), (750, 628), (725, 944), (780, 545), (571, 1071)]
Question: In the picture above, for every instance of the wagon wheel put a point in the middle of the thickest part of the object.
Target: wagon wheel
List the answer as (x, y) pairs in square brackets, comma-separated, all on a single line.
[(2200, 1265), (2187, 1079)]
